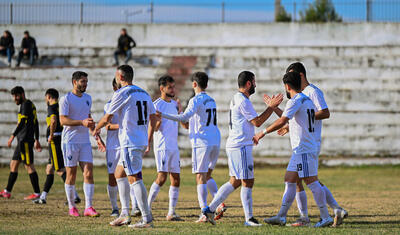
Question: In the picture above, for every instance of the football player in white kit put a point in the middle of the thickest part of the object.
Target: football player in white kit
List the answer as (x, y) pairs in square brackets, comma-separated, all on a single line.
[(239, 147), (166, 151), (135, 110), (322, 112), (300, 113), (77, 121), (204, 135)]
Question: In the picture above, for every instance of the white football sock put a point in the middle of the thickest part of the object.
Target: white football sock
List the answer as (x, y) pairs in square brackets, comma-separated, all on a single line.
[(69, 190), (123, 189), (221, 195), (133, 198), (330, 199), (43, 195), (320, 198), (141, 195), (212, 187), (247, 202), (173, 199), (301, 199), (112, 195), (287, 199), (88, 189), (75, 193), (154, 189), (202, 195)]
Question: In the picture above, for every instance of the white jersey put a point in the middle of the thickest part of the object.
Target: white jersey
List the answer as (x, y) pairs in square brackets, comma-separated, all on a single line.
[(133, 106), (76, 108), (112, 141), (166, 138), (241, 130), (301, 112), (201, 114), (317, 97)]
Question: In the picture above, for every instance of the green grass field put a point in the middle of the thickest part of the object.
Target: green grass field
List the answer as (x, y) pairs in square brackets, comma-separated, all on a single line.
[(370, 194)]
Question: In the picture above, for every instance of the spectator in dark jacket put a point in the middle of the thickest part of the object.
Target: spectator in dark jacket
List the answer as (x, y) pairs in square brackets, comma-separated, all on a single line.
[(7, 46), (28, 48), (125, 43)]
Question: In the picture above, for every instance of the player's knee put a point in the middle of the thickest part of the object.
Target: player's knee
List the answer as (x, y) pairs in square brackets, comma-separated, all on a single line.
[(88, 174)]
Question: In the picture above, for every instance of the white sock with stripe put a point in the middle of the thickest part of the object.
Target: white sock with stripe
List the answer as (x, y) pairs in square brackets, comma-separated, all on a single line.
[(173, 199), (212, 187), (247, 202), (154, 189), (330, 199), (287, 199), (88, 190), (69, 190), (221, 195), (301, 199), (112, 195), (124, 194), (141, 195), (202, 195), (320, 198)]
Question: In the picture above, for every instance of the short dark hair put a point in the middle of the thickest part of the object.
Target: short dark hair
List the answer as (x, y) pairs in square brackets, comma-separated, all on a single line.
[(297, 67), (293, 79), (76, 76), (26, 32), (53, 93), (127, 72), (244, 77), (165, 79), (124, 29), (201, 78), (18, 90)]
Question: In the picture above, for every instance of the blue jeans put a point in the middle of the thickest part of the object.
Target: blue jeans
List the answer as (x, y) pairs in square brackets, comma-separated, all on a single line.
[(30, 53), (127, 53), (9, 53)]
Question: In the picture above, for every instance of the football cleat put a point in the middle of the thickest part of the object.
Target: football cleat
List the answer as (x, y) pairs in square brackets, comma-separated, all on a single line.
[(324, 222), (91, 212), (121, 220), (276, 220), (340, 215), (114, 213), (252, 222), (136, 212), (209, 214), (39, 201), (174, 217), (5, 194), (202, 219), (142, 224), (301, 222), (73, 212), (32, 196), (219, 212)]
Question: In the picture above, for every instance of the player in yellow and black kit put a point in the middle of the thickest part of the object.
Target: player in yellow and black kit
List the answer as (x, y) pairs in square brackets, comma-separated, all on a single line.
[(53, 135), (27, 133)]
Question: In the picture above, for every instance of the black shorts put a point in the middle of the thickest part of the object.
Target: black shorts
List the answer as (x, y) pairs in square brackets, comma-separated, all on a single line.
[(24, 152), (55, 154)]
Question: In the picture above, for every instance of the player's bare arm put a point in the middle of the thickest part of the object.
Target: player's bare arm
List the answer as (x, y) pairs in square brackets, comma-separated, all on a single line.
[(322, 114), (104, 121), (53, 125), (66, 121), (268, 100), (272, 104), (112, 127), (273, 127)]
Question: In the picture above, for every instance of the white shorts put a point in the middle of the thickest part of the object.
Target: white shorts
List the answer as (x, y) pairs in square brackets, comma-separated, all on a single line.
[(131, 160), (112, 158), (240, 162), (305, 164), (204, 158), (76, 152), (168, 161)]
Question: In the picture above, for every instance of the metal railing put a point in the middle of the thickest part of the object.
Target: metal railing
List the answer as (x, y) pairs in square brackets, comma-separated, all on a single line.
[(127, 12)]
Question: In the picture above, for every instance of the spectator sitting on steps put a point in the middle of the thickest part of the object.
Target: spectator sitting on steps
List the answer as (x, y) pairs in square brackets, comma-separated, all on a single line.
[(125, 43), (7, 46), (28, 48)]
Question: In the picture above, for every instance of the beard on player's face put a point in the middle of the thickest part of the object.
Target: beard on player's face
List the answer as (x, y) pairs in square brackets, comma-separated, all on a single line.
[(81, 88), (18, 99), (252, 89)]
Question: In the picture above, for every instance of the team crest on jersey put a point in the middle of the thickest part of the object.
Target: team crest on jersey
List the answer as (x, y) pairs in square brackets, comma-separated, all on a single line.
[(69, 157), (109, 164), (87, 102), (251, 167)]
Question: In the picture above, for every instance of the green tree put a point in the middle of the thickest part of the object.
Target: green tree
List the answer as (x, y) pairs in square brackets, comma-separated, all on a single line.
[(320, 11), (282, 15)]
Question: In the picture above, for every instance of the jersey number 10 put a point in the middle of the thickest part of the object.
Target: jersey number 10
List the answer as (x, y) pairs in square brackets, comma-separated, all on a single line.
[(142, 112), (311, 119)]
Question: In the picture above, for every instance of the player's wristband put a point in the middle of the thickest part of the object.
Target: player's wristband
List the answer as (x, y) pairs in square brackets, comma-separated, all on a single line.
[(265, 131)]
